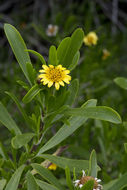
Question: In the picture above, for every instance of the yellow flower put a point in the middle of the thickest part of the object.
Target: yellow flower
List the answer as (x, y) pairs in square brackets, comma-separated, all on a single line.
[(106, 54), (54, 75), (90, 39), (52, 167)]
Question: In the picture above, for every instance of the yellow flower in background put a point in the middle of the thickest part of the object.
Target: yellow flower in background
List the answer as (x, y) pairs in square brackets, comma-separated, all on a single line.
[(54, 75), (90, 39), (106, 54), (52, 167)]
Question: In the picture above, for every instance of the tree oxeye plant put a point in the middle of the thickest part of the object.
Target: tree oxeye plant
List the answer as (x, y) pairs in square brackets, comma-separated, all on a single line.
[(51, 92)]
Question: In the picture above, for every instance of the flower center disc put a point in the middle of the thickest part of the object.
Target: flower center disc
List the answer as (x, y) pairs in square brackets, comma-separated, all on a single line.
[(55, 75)]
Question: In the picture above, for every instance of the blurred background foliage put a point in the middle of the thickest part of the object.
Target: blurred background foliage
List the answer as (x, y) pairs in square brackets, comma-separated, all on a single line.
[(108, 18)]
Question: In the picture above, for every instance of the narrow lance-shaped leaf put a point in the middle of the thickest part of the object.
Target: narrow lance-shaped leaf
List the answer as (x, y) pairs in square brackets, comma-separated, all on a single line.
[(65, 131), (76, 42), (47, 175), (68, 178), (53, 56), (7, 120), (74, 61), (31, 183), (18, 46), (31, 72), (118, 184), (63, 48), (46, 186), (2, 184), (93, 165), (73, 89), (31, 94), (40, 57), (62, 162), (99, 112), (21, 140), (2, 151), (19, 106), (14, 181)]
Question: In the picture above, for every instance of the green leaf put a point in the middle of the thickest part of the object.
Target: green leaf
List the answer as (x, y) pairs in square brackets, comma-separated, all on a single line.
[(73, 89), (63, 48), (76, 42), (21, 140), (2, 151), (7, 120), (62, 162), (23, 84), (99, 112), (14, 181), (74, 61), (89, 185), (14, 98), (40, 57), (46, 186), (18, 46), (31, 183), (2, 184), (68, 178), (47, 175), (65, 130), (125, 147), (93, 165), (52, 116), (53, 56), (31, 94), (122, 82), (118, 184), (31, 72)]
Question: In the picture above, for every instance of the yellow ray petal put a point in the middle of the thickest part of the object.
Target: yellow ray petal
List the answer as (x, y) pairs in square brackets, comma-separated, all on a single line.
[(45, 67), (41, 76), (57, 86), (61, 83), (68, 77), (42, 70), (66, 80), (50, 84), (51, 66), (66, 72)]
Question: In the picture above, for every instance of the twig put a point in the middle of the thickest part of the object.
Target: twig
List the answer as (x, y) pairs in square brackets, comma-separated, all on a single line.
[(114, 15)]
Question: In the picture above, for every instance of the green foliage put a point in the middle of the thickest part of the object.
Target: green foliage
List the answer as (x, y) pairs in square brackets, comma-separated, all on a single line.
[(46, 186), (47, 175), (66, 162), (20, 140), (7, 120), (31, 183), (14, 180), (56, 118), (18, 46), (93, 165), (53, 56), (121, 81), (31, 94), (118, 184), (88, 185)]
